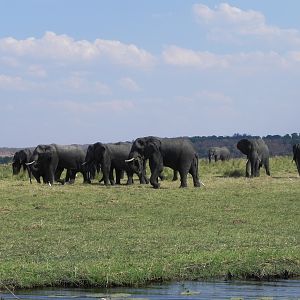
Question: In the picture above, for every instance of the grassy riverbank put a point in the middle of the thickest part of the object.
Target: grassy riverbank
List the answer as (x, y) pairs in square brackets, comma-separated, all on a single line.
[(91, 235)]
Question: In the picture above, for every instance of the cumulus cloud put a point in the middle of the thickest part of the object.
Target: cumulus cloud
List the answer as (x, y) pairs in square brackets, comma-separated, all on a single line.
[(228, 22), (63, 48), (129, 84)]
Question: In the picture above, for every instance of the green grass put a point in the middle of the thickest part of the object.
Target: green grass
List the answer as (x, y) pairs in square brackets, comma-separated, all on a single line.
[(92, 235)]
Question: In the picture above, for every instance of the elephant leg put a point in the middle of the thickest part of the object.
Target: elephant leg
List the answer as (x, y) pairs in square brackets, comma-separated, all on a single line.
[(161, 176), (119, 175), (143, 177), (111, 177), (156, 169), (248, 168), (72, 176), (183, 178), (267, 167), (194, 172), (57, 175), (107, 173), (129, 178), (86, 178)]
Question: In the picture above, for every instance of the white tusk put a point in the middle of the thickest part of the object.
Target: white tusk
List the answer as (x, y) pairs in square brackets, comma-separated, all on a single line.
[(130, 160), (49, 183), (202, 183), (84, 163), (28, 164)]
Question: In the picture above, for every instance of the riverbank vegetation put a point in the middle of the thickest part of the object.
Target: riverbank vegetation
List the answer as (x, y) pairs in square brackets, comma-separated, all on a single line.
[(91, 235)]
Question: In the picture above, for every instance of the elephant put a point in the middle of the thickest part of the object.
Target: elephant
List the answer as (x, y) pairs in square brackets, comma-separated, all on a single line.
[(257, 154), (49, 161), (91, 168), (20, 159), (218, 153), (112, 157), (296, 156), (175, 153)]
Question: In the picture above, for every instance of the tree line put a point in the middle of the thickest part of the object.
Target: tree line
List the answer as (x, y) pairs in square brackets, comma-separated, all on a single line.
[(278, 145)]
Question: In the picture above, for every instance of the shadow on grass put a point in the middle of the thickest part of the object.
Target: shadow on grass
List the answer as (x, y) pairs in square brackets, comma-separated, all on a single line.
[(234, 174), (286, 177)]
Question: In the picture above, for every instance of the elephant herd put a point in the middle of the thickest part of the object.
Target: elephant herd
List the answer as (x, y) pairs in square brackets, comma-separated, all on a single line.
[(49, 161)]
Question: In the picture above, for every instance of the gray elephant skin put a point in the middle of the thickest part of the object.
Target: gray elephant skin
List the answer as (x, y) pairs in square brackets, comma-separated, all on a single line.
[(49, 161), (112, 157), (218, 153), (258, 155), (175, 153), (296, 156), (20, 159)]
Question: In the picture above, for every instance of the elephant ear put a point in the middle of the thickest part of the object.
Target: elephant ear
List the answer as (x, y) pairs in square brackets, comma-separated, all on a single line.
[(47, 155), (153, 146), (22, 156), (139, 143), (244, 146), (99, 150)]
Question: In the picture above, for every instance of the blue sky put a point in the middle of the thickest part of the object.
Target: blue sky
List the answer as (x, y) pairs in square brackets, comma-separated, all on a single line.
[(86, 71)]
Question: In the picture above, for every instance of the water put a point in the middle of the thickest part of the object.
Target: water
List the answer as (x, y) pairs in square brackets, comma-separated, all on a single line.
[(233, 290)]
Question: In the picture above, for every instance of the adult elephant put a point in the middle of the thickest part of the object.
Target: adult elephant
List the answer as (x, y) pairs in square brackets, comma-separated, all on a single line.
[(296, 156), (258, 155), (111, 157), (218, 153), (175, 153), (50, 161)]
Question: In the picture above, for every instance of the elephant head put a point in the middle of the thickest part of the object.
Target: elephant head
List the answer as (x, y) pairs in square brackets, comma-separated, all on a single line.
[(145, 147), (211, 154), (94, 154), (245, 146), (19, 160)]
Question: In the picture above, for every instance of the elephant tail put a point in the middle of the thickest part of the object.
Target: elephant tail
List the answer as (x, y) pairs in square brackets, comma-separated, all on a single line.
[(196, 163)]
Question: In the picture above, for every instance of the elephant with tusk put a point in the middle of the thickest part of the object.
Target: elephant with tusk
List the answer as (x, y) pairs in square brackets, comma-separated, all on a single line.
[(175, 153)]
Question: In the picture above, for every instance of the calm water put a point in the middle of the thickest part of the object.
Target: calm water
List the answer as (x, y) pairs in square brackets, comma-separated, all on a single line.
[(233, 290)]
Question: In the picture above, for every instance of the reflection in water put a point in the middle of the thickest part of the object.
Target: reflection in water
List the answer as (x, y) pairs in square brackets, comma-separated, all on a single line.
[(282, 289)]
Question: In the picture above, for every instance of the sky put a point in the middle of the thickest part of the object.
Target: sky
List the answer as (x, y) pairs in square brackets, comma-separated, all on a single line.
[(83, 71)]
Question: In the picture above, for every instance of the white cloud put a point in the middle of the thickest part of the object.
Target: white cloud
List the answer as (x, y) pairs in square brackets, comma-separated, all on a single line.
[(62, 48), (229, 22), (37, 71), (258, 60), (129, 84), (174, 55), (14, 83), (80, 84)]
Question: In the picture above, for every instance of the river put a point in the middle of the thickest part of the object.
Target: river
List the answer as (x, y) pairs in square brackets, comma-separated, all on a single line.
[(233, 290)]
